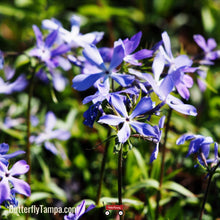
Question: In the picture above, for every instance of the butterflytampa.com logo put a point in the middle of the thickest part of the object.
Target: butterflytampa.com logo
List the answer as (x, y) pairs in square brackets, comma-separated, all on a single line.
[(38, 209)]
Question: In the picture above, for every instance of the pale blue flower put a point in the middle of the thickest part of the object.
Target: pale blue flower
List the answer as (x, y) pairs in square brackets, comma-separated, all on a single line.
[(128, 121), (79, 211)]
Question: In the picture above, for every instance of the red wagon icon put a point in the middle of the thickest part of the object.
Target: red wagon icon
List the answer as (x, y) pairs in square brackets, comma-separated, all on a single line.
[(114, 207)]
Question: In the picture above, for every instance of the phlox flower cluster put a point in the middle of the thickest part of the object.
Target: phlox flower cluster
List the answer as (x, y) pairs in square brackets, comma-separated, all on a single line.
[(9, 182), (131, 86)]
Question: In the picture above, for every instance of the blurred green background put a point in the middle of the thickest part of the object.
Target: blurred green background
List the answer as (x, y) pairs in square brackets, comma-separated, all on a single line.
[(65, 181)]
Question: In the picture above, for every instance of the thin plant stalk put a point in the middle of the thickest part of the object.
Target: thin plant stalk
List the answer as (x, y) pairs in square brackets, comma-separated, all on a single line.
[(28, 121), (104, 159), (120, 159), (211, 173), (167, 128)]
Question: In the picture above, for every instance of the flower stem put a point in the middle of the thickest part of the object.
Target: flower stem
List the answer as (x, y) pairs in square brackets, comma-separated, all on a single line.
[(120, 158), (103, 168), (28, 121), (211, 173), (163, 162), (28, 155)]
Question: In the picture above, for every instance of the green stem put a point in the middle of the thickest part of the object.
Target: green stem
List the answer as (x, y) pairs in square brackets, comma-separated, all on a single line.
[(120, 158), (104, 159), (163, 162), (28, 147), (28, 153), (212, 172)]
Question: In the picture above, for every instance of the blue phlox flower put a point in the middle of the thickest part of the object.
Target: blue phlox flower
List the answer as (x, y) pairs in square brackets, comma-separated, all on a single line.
[(47, 53), (179, 106), (73, 38), (7, 87), (159, 134), (12, 201), (79, 211), (84, 81), (216, 157), (130, 46), (1, 60), (202, 73), (50, 134), (128, 121), (164, 57), (91, 114), (183, 85), (10, 122), (4, 157), (198, 144), (163, 89), (58, 80), (9, 177), (207, 47)]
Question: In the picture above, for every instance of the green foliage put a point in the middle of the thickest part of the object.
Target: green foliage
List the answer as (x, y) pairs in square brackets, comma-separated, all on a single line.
[(72, 176)]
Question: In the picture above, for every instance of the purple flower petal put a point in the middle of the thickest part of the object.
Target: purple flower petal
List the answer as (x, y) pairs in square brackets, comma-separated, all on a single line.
[(92, 206), (59, 82), (111, 120), (143, 106), (63, 48), (84, 81), (122, 79), (211, 43), (4, 190), (184, 138), (161, 121), (124, 133), (39, 36), (132, 44), (119, 105), (182, 61), (142, 54), (19, 168), (158, 66), (80, 209), (183, 91), (118, 55), (187, 80), (92, 54), (139, 126), (63, 63), (50, 121), (154, 153), (50, 39), (200, 40), (51, 147), (20, 186), (60, 134), (9, 156), (167, 45), (4, 148), (177, 105)]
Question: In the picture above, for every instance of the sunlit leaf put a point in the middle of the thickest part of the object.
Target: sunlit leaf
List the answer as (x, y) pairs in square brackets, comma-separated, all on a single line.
[(177, 188)]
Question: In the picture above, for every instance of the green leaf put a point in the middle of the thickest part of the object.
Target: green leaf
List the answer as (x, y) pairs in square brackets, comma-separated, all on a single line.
[(132, 202), (37, 196), (140, 162), (177, 188), (11, 132), (208, 19), (12, 11), (45, 168), (149, 183), (57, 191), (172, 174), (208, 85)]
